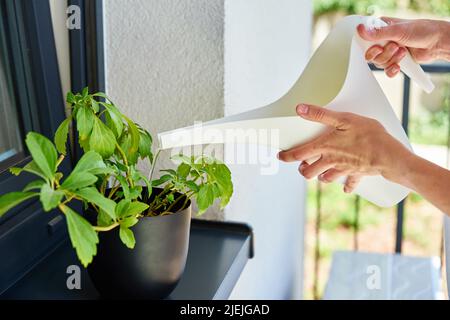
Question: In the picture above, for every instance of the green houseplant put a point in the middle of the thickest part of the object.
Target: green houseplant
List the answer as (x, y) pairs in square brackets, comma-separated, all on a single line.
[(106, 179)]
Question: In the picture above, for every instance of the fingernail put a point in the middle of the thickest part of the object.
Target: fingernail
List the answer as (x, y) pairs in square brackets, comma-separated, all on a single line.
[(394, 69), (373, 53), (302, 108), (278, 156), (401, 51)]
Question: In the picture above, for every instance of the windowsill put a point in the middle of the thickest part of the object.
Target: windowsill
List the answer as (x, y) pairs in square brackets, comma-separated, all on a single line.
[(218, 252)]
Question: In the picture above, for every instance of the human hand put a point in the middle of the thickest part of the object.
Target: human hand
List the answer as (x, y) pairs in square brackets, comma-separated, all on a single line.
[(354, 146), (426, 40)]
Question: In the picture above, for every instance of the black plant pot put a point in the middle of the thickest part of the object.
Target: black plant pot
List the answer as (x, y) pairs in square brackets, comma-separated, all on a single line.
[(153, 268)]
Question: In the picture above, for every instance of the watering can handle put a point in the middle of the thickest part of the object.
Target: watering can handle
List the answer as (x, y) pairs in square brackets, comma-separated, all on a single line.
[(410, 67)]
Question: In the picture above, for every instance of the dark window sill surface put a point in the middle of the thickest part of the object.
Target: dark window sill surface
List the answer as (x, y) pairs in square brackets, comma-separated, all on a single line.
[(218, 252)]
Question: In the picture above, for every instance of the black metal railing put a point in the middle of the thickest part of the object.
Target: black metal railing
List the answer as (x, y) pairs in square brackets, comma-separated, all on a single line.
[(430, 68), (442, 68)]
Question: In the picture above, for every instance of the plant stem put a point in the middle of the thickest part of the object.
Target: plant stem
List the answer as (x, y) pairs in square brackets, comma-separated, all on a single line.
[(122, 154), (113, 191), (104, 183), (175, 202), (108, 228), (125, 162), (166, 188), (68, 199), (159, 195), (154, 163), (60, 159)]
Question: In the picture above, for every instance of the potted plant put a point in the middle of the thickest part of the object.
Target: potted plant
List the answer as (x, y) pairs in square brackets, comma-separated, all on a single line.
[(122, 208)]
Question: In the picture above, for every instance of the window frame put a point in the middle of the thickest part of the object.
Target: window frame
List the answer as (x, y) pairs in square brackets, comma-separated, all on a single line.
[(25, 233)]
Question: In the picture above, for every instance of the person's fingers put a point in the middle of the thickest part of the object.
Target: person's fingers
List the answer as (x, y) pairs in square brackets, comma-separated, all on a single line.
[(388, 53), (373, 52), (396, 58), (322, 115), (394, 32), (392, 20), (331, 175), (302, 152), (392, 70), (316, 168), (351, 183), (302, 166)]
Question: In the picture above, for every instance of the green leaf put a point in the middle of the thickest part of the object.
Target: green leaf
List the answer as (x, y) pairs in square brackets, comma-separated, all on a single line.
[(127, 237), (61, 136), (147, 182), (205, 198), (82, 235), (95, 105), (16, 170), (125, 144), (134, 134), (135, 192), (85, 122), (136, 208), (118, 165), (103, 219), (30, 167), (183, 170), (12, 199), (102, 95), (145, 145), (102, 139), (122, 207), (129, 222), (34, 185), (181, 158), (90, 162), (85, 92), (225, 183), (126, 208), (222, 177), (70, 97), (101, 171), (43, 152), (123, 182), (161, 180), (192, 185), (216, 189), (92, 195), (195, 174), (172, 172), (84, 144), (79, 180), (113, 119), (49, 197)]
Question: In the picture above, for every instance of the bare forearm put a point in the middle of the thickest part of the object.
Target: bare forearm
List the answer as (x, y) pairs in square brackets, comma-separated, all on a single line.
[(428, 179), (444, 42)]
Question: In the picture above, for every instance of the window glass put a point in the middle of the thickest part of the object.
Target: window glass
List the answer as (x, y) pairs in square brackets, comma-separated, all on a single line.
[(10, 136)]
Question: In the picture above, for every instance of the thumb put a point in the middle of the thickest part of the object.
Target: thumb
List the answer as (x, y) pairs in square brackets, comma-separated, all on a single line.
[(321, 115), (396, 32)]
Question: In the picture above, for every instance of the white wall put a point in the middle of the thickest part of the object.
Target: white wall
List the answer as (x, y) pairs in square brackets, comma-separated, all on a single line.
[(267, 45), (61, 33), (164, 60), (171, 62)]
